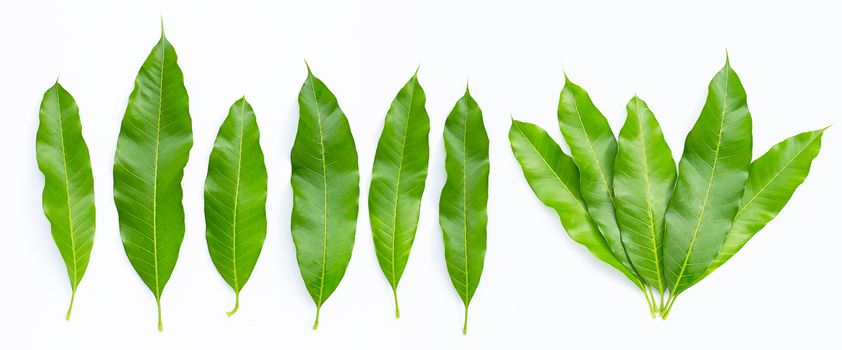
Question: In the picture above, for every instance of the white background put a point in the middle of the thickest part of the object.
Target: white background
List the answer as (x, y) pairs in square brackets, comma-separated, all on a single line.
[(539, 289)]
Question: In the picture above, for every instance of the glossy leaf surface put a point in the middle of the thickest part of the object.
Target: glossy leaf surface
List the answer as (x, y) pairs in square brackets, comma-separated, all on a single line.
[(594, 149), (554, 178), (464, 198), (325, 185), (397, 181), (235, 198), (711, 177), (68, 197), (644, 177), (772, 180), (152, 150)]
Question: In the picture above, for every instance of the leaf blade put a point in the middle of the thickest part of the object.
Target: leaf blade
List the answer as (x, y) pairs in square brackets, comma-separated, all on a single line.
[(152, 149), (464, 198), (398, 179), (325, 191), (68, 196), (235, 198)]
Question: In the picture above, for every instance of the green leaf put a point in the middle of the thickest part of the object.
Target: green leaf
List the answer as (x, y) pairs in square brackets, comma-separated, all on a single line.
[(152, 150), (711, 177), (772, 180), (326, 189), (235, 198), (644, 177), (68, 197), (594, 149), (464, 198), (554, 178), (397, 181)]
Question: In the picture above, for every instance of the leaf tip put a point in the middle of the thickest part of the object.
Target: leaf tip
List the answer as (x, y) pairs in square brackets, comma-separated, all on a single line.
[(162, 26), (306, 64), (418, 67)]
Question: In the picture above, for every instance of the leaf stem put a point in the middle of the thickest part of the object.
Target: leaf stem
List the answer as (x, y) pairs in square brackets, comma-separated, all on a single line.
[(670, 302), (397, 309), (70, 308), (649, 301), (316, 324), (236, 304), (160, 319), (465, 323)]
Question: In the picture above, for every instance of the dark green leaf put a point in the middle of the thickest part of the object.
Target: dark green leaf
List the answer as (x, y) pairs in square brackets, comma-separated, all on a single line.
[(326, 189), (68, 197), (235, 198), (397, 181), (464, 198)]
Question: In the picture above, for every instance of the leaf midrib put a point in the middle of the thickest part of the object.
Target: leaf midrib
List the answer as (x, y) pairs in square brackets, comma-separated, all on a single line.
[(465, 199), (155, 169), (650, 210), (324, 181), (398, 187), (237, 199), (67, 192)]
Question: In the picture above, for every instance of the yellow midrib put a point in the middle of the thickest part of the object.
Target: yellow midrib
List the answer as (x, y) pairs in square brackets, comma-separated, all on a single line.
[(650, 210), (398, 186), (324, 181), (155, 170), (67, 191)]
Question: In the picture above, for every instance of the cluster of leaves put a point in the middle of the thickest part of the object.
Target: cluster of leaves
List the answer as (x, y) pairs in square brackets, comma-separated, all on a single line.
[(624, 200)]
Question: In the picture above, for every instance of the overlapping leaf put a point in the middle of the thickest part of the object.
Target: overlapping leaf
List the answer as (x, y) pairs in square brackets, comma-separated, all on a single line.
[(68, 197), (464, 198), (152, 150), (235, 198), (325, 185), (397, 181)]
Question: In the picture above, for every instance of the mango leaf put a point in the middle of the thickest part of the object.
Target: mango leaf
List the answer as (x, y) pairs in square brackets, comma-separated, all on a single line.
[(711, 176), (68, 197), (644, 177), (554, 178), (235, 198), (326, 189), (397, 181), (594, 150), (152, 150), (772, 180), (464, 198)]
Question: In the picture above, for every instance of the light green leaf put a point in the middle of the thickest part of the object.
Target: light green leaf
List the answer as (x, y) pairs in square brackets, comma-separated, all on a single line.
[(555, 180), (235, 198), (397, 181), (152, 150), (594, 150), (326, 189), (68, 197), (644, 177), (464, 198), (772, 180), (711, 177)]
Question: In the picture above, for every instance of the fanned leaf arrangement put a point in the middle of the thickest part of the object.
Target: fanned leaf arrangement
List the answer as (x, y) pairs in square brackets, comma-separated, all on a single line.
[(626, 203), (68, 197), (235, 198), (152, 150), (325, 186), (464, 198), (397, 181)]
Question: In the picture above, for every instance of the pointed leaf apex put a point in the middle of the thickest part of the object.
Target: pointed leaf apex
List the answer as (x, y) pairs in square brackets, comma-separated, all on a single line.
[(416, 71), (467, 89), (727, 59), (566, 78), (162, 26), (310, 72)]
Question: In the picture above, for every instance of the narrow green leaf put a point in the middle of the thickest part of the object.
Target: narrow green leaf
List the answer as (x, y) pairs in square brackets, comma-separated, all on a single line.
[(554, 178), (464, 198), (711, 177), (594, 150), (235, 198), (397, 181), (326, 189), (68, 197), (152, 150), (772, 180), (644, 177)]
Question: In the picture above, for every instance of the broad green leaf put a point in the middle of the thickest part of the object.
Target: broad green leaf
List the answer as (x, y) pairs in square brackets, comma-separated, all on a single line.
[(397, 181), (772, 180), (235, 198), (68, 197), (554, 178), (152, 150), (464, 198), (711, 177), (594, 149), (644, 177), (326, 189)]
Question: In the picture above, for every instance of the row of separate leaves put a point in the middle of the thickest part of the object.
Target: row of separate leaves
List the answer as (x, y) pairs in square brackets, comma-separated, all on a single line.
[(665, 229), (153, 148)]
